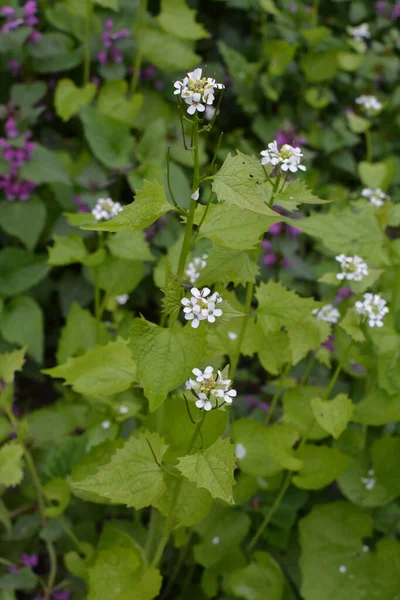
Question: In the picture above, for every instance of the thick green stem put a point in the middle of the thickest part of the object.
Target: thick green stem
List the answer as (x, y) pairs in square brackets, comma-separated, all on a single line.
[(137, 63), (86, 42)]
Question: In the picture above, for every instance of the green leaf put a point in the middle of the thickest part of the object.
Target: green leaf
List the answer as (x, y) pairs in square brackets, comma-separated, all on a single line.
[(192, 504), (63, 457), (227, 266), (321, 467), (112, 4), (119, 276), (269, 7), (212, 469), (68, 98), (162, 374), (360, 485), (241, 182), (150, 204), (25, 579), (103, 371), (171, 302), (279, 307), (24, 220), (274, 351), (11, 362), (109, 139), (377, 408), (357, 124), (333, 415), (280, 55), (180, 20), (118, 571), (5, 520), (58, 494), (166, 52), (234, 228), (152, 148), (320, 66), (132, 476), (386, 462), (296, 193), (351, 325), (49, 424), (129, 245), (297, 410), (252, 581), (11, 464), (20, 270), (374, 175), (44, 167), (349, 61), (21, 322), (90, 331), (67, 250), (113, 100)]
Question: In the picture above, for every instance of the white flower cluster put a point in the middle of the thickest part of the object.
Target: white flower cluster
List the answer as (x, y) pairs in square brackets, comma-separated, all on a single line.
[(197, 91), (370, 104), (106, 209), (195, 266), (210, 392), (374, 308), (360, 32), (327, 313), (376, 197), (369, 481), (353, 268), (122, 299), (201, 308), (287, 158)]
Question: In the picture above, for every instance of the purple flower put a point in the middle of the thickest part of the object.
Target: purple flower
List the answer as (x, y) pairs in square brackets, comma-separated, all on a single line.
[(96, 80), (275, 229), (14, 187), (269, 260), (61, 595), (293, 231), (29, 560), (382, 8), (111, 53), (34, 37), (13, 570), (157, 226), (328, 344), (251, 401), (292, 8), (28, 18), (357, 368), (159, 85), (343, 294), (396, 11), (266, 244), (15, 67), (82, 207), (288, 135), (264, 406)]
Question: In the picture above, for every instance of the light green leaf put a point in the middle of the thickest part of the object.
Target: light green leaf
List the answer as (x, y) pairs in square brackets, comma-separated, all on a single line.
[(119, 276), (24, 220), (132, 476), (20, 270), (21, 322), (269, 6), (279, 307), (253, 581), (333, 415), (152, 148), (297, 410), (191, 507), (296, 193), (241, 182), (24, 579), (349, 61), (171, 302), (274, 351), (90, 331), (103, 371), (351, 325), (280, 54), (167, 52), (386, 462), (11, 464), (112, 4), (234, 228), (44, 167), (68, 98), (173, 354), (58, 494), (149, 205), (357, 124), (322, 465), (10, 362), (359, 484), (67, 250), (113, 100), (227, 266), (180, 20), (319, 66), (374, 175), (212, 469), (317, 97), (129, 245), (5, 520), (377, 408)]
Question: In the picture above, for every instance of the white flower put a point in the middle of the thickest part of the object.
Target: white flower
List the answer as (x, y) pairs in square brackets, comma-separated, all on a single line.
[(342, 569), (360, 32), (370, 104), (376, 197), (210, 392), (211, 312), (240, 451), (210, 112), (369, 481), (327, 313), (196, 194), (216, 298), (353, 267), (232, 335), (195, 266), (287, 158), (123, 409), (106, 424), (106, 209), (122, 299), (200, 308), (374, 308), (216, 540), (197, 91), (365, 548)]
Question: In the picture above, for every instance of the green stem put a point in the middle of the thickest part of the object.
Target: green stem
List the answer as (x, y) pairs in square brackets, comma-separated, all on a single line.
[(368, 145), (276, 396), (53, 571), (148, 550), (308, 370), (274, 190), (138, 54), (338, 369), (86, 42), (315, 13), (178, 566)]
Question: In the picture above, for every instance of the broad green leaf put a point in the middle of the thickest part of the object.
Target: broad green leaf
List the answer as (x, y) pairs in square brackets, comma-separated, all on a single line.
[(58, 494), (63, 457), (192, 504), (377, 408), (118, 571), (67, 250), (129, 245), (171, 302), (234, 228), (24, 220), (319, 66), (374, 175), (10, 362), (109, 139), (11, 464), (49, 424), (180, 20), (167, 52), (119, 276), (227, 266), (386, 462), (20, 270), (241, 182), (280, 54), (68, 98), (27, 95), (45, 166), (274, 351), (244, 75), (21, 322), (132, 476), (24, 579), (174, 353), (103, 371), (388, 368), (352, 326), (332, 539), (91, 332), (253, 581), (149, 205), (269, 6), (333, 415), (297, 410), (360, 485), (321, 467), (212, 469), (349, 61), (112, 4), (357, 124), (296, 193), (279, 307), (317, 97), (152, 148), (113, 100)]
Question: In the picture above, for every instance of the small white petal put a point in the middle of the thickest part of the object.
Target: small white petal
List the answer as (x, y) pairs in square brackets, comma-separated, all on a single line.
[(196, 194)]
